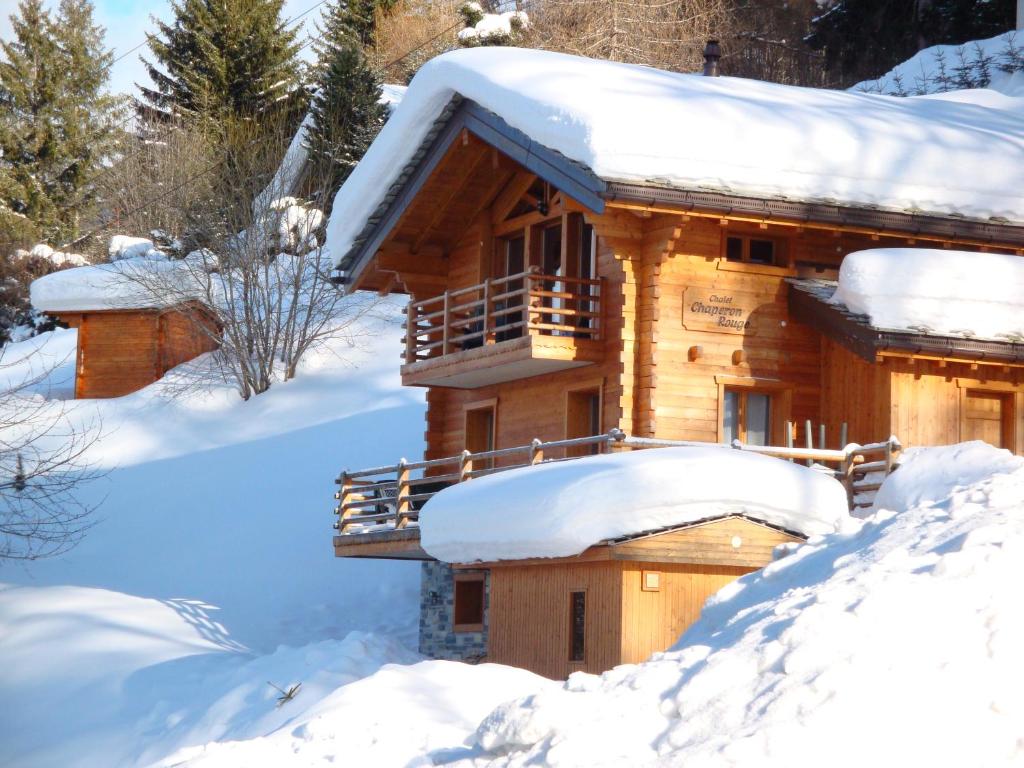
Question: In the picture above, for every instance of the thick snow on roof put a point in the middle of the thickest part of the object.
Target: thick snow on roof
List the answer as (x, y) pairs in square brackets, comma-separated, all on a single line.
[(633, 123), (948, 293), (560, 509), (126, 284)]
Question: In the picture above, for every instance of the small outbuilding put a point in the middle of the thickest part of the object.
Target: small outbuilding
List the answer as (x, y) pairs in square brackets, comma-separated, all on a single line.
[(127, 339)]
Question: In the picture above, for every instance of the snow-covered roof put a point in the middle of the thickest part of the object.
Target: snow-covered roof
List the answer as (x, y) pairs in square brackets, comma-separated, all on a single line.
[(562, 508), (936, 292), (131, 283), (629, 123)]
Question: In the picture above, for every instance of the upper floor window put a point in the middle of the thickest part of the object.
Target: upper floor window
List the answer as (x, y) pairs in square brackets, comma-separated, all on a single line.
[(746, 416), (755, 249)]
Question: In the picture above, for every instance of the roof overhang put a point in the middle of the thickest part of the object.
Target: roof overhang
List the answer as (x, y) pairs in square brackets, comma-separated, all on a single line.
[(808, 304), (863, 218)]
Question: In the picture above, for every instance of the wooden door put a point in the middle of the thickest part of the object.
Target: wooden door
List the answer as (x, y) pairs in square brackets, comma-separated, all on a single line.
[(480, 434), (987, 416)]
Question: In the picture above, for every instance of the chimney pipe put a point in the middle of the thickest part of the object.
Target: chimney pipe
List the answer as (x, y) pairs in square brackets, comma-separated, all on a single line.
[(1020, 14), (713, 52)]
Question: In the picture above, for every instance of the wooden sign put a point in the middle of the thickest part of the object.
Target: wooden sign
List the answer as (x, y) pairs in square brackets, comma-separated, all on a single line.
[(720, 310)]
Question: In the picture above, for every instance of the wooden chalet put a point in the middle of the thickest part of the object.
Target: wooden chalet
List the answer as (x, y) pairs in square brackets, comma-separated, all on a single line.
[(549, 306), (121, 351)]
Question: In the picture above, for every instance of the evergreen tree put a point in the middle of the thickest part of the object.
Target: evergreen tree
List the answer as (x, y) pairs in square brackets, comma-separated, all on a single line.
[(29, 90), (222, 59), (346, 111), (865, 38)]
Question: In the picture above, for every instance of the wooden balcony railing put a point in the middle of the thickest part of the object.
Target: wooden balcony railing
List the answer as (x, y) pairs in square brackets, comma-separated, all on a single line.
[(389, 498), (501, 309)]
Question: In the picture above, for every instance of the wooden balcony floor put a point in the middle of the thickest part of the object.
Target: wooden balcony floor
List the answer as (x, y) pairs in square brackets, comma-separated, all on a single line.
[(529, 355), (388, 544)]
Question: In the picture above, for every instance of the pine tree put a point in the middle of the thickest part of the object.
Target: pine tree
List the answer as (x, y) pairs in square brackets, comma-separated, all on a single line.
[(863, 39), (29, 90), (222, 59), (56, 124), (346, 110)]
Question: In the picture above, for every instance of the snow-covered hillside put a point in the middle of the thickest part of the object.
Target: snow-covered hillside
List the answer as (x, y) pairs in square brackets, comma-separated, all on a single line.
[(213, 535)]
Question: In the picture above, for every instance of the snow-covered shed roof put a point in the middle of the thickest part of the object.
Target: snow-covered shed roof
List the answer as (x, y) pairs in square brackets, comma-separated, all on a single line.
[(951, 303), (132, 283), (560, 509), (637, 126)]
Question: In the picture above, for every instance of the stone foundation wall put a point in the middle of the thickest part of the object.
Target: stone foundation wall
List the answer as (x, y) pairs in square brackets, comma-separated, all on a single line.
[(437, 600)]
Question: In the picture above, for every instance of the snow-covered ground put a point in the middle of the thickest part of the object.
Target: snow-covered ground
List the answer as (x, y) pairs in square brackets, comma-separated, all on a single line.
[(213, 536)]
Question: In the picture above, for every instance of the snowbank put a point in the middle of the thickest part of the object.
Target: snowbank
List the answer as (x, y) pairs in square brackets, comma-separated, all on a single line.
[(895, 644), (131, 283), (491, 27), (944, 68), (633, 123), (951, 293), (55, 257), (929, 475), (560, 509), (128, 247), (400, 716)]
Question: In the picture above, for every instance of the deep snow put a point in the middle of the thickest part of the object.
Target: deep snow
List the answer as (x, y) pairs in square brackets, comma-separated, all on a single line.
[(219, 511), (953, 293), (560, 509)]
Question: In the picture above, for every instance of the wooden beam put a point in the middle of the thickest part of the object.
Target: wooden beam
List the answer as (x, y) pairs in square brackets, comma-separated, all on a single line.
[(511, 195), (469, 168)]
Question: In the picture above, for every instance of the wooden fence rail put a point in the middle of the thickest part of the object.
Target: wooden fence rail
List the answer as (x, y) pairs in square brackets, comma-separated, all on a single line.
[(500, 309), (390, 496)]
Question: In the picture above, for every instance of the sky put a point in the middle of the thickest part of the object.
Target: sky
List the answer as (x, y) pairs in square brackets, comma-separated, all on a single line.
[(128, 21)]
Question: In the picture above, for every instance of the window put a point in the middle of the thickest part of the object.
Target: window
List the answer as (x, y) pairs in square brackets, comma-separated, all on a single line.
[(513, 263), (751, 249), (746, 416), (468, 605), (577, 625), (583, 418)]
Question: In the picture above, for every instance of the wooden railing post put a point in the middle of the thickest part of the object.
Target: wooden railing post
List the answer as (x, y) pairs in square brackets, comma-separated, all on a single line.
[(536, 451), (344, 497), (465, 466), (488, 337), (445, 319), (402, 505), (410, 332)]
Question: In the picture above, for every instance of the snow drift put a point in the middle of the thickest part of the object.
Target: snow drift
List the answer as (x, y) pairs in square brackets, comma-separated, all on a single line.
[(895, 644), (560, 509), (633, 123), (952, 293)]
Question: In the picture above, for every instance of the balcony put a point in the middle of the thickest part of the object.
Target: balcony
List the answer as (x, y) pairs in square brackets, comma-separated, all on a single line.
[(378, 508), (505, 328)]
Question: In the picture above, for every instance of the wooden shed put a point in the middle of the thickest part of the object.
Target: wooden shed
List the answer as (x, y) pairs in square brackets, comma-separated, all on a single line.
[(619, 602), (121, 351)]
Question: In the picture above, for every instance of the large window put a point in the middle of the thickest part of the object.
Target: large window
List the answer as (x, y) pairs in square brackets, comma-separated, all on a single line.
[(746, 416)]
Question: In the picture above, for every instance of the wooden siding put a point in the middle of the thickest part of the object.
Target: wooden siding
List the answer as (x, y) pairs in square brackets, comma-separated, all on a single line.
[(528, 617), (120, 352), (654, 621)]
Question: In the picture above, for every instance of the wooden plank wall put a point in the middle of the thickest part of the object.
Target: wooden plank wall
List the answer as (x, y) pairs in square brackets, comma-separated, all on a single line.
[(856, 392), (654, 621), (117, 353), (182, 338), (524, 598)]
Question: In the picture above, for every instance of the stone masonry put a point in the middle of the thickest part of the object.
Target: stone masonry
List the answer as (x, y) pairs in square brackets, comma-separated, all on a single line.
[(437, 600)]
